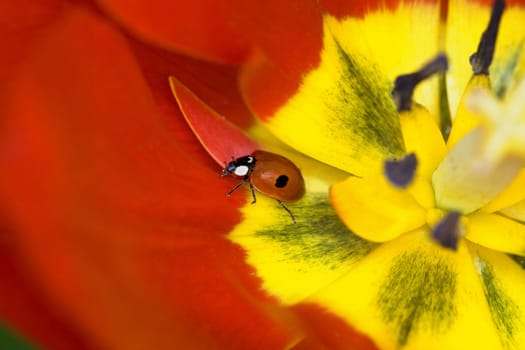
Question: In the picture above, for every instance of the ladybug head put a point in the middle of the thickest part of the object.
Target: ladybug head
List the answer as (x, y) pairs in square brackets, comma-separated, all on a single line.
[(242, 166)]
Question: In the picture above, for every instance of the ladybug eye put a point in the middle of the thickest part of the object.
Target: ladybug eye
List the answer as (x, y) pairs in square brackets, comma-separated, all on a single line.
[(230, 168), (281, 181), (249, 160)]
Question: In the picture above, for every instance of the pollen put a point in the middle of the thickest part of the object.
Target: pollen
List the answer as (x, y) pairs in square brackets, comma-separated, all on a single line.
[(448, 231)]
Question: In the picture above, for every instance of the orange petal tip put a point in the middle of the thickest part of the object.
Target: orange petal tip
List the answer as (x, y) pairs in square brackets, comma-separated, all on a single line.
[(221, 138)]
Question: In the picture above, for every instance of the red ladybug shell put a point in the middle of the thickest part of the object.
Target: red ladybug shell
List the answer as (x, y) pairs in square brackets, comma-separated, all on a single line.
[(277, 177)]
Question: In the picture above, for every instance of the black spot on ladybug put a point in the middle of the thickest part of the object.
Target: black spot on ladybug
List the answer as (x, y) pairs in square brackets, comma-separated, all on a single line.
[(281, 181), (268, 173)]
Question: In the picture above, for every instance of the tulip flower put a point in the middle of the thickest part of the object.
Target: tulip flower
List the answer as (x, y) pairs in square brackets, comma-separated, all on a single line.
[(405, 119)]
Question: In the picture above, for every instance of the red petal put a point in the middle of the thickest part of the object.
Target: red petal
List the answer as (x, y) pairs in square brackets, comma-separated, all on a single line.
[(330, 331), (21, 22), (344, 8), (291, 45), (225, 31), (205, 29), (25, 308), (222, 139), (284, 38), (124, 230), (216, 84)]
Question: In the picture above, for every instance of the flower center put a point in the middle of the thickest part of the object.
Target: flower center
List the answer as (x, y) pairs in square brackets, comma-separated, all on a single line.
[(486, 149), (483, 162)]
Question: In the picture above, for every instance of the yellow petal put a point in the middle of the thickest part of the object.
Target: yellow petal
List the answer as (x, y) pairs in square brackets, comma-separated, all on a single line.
[(503, 281), (465, 121), (496, 232), (343, 114), (516, 212), (511, 195), (421, 190), (423, 137), (376, 210), (410, 293), (296, 260), (509, 57), (309, 167), (465, 23), (395, 42)]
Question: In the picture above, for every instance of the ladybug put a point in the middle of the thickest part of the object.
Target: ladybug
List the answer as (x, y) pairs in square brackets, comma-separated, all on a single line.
[(269, 173)]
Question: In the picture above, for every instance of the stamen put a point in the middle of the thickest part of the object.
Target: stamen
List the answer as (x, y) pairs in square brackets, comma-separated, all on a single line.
[(482, 58), (401, 172), (447, 232), (445, 120), (404, 85), (488, 151)]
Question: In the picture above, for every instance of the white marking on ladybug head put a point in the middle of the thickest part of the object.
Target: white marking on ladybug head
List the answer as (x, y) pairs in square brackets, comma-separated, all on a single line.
[(241, 170)]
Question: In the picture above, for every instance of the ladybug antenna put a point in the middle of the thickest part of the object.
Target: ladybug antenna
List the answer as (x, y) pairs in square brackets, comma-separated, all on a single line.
[(228, 168), (288, 210)]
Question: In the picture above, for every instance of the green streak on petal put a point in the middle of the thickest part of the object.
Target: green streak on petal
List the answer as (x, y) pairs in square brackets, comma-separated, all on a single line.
[(503, 71), (520, 260), (445, 119), (13, 341), (378, 123), (342, 114), (318, 237), (503, 310), (418, 290), (295, 261)]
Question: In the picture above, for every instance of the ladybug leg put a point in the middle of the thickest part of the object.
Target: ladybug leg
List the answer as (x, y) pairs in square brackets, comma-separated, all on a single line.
[(236, 187), (244, 179), (253, 194), (287, 210)]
